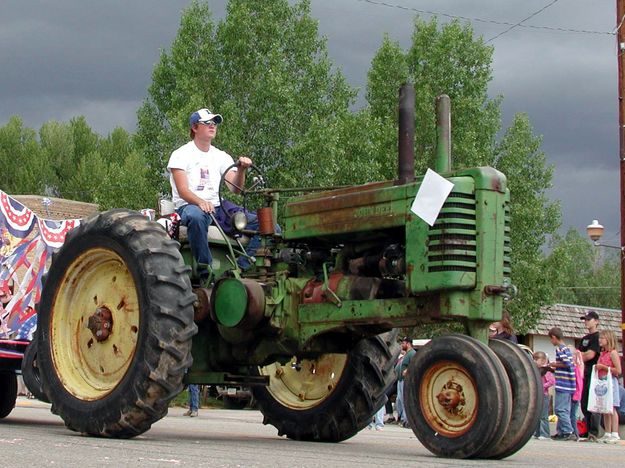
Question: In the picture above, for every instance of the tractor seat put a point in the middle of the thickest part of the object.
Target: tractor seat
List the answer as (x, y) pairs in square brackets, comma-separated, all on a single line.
[(166, 207)]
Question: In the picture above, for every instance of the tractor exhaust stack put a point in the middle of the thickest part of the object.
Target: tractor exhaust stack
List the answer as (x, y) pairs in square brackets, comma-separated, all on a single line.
[(405, 142)]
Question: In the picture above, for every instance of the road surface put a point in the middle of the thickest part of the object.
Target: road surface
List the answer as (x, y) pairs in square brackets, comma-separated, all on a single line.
[(32, 436)]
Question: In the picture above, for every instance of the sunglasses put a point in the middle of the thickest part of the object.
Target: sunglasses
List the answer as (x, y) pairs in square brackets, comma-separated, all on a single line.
[(210, 123)]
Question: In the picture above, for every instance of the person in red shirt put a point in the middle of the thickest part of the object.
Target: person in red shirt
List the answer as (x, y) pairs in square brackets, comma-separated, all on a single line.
[(609, 360)]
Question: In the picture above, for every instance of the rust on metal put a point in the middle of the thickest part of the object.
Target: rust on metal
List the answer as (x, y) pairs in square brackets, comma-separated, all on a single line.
[(494, 290), (201, 307), (405, 142), (451, 397), (314, 293), (101, 323), (255, 304), (333, 192), (265, 221)]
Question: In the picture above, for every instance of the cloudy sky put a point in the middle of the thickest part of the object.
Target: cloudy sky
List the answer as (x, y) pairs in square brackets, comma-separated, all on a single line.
[(64, 58)]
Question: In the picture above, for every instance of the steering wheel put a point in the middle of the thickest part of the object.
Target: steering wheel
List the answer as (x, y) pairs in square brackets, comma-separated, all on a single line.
[(254, 181)]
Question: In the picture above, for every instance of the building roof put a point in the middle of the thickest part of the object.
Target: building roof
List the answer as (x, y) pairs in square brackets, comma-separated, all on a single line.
[(567, 318), (58, 208)]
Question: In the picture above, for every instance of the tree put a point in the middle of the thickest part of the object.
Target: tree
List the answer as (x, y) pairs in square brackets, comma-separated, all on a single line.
[(583, 274), (533, 217), (450, 60), (441, 60), (22, 159), (265, 68), (72, 161), (86, 182), (127, 185)]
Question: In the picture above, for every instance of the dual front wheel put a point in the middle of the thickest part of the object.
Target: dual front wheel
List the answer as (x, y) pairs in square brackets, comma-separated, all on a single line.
[(464, 399)]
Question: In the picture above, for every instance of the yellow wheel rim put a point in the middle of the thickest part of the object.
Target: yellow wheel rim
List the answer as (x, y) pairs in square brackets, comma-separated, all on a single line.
[(98, 279), (307, 387), (449, 399)]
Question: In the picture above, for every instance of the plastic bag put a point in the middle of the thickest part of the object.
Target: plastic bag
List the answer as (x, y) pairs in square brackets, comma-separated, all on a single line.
[(600, 393)]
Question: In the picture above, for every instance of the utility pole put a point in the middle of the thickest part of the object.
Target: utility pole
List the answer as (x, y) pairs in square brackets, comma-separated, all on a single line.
[(620, 53)]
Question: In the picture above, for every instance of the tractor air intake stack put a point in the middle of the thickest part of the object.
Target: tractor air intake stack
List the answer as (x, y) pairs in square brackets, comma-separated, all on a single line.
[(406, 133)]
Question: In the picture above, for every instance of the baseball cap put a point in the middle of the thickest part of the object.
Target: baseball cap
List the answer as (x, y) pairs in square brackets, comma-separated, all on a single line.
[(204, 115), (407, 339), (590, 315)]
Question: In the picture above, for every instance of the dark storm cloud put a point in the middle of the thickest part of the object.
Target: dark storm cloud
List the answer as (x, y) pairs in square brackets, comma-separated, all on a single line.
[(64, 58)]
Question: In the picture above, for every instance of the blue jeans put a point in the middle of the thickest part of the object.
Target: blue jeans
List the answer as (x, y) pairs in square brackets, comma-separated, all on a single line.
[(574, 408), (197, 223), (378, 419), (194, 397), (399, 402), (563, 412), (542, 430)]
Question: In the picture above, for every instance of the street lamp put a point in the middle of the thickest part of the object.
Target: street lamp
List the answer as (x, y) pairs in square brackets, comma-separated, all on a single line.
[(595, 231)]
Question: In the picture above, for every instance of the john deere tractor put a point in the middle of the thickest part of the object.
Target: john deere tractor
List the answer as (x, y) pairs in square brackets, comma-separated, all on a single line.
[(125, 323)]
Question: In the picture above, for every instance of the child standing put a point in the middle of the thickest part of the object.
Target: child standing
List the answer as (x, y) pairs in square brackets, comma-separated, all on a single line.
[(579, 388), (542, 430), (565, 385), (609, 359)]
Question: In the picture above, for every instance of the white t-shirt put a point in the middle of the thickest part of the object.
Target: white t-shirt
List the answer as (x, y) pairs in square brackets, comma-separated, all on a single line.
[(203, 168)]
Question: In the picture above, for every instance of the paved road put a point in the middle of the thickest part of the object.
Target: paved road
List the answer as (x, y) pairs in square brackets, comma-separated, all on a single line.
[(32, 436)]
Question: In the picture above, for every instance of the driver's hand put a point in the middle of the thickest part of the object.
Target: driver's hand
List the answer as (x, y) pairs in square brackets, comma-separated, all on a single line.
[(206, 207), (244, 162)]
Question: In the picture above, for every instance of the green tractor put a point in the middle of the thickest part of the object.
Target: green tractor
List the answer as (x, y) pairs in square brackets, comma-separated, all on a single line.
[(311, 328)]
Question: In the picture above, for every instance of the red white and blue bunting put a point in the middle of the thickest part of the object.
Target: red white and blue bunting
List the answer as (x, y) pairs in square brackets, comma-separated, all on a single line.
[(23, 260)]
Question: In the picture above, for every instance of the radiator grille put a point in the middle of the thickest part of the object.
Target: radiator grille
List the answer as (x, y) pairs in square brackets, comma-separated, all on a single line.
[(452, 239), (507, 271)]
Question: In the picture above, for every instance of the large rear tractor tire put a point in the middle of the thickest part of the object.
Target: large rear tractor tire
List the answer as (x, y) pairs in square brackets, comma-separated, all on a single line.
[(8, 392), (115, 325), (332, 397), (526, 399), (457, 397), (30, 372)]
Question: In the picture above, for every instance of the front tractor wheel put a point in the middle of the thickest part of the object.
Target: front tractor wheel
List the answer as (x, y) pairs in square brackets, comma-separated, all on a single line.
[(332, 397), (527, 391), (115, 325), (457, 397)]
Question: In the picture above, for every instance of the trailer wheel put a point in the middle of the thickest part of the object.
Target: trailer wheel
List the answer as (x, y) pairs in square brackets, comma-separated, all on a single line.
[(331, 398), (8, 392), (457, 397), (526, 399), (30, 372), (115, 325)]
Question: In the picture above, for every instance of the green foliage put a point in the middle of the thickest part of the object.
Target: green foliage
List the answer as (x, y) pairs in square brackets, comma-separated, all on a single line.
[(266, 70), (85, 181), (127, 185), (450, 60), (583, 274), (441, 60), (533, 217), (24, 164), (70, 160)]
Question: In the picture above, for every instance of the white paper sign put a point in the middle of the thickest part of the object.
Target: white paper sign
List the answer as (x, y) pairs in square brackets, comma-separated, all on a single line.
[(431, 196)]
